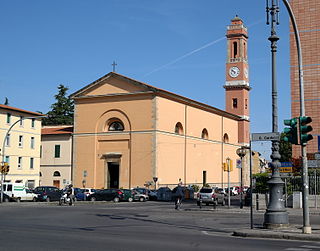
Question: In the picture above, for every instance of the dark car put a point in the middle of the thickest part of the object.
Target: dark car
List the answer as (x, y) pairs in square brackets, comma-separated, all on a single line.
[(47, 193), (128, 195), (107, 194), (6, 198)]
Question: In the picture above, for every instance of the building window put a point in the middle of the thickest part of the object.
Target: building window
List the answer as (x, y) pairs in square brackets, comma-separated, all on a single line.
[(178, 128), (31, 163), (116, 126), (56, 174), (31, 184), (235, 49), (21, 121), (246, 103), (57, 151), (32, 143), (19, 162), (8, 118), (32, 123), (235, 103), (20, 141), (225, 138), (40, 151), (19, 181), (8, 140), (204, 134)]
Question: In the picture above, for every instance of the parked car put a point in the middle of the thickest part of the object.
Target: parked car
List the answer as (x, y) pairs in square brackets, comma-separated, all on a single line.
[(18, 192), (233, 191), (152, 194), (6, 198), (88, 191), (208, 195), (128, 195), (47, 193), (137, 196), (107, 194)]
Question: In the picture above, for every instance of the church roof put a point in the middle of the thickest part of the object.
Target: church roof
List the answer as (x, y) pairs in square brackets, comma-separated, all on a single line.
[(149, 88)]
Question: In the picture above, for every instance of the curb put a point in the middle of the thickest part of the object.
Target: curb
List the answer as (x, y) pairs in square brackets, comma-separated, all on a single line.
[(276, 235)]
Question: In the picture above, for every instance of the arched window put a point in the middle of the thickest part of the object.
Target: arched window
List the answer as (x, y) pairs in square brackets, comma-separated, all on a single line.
[(225, 138), (235, 50), (178, 128), (115, 125), (204, 134), (56, 174)]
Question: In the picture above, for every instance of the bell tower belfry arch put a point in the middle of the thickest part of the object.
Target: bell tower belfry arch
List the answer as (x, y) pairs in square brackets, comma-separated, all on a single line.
[(237, 76)]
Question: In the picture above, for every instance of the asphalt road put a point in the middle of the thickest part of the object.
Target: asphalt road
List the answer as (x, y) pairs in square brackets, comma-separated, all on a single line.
[(131, 226)]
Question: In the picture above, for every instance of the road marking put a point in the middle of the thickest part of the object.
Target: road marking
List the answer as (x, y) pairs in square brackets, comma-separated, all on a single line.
[(308, 246), (298, 249)]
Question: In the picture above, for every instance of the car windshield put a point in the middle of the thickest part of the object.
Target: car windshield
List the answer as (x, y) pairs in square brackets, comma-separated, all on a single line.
[(206, 190)]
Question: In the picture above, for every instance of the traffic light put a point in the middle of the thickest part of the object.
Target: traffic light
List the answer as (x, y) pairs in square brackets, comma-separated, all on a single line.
[(230, 166), (225, 167), (291, 133), (304, 129)]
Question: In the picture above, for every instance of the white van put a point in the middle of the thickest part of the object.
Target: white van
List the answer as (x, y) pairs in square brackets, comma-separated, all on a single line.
[(18, 192)]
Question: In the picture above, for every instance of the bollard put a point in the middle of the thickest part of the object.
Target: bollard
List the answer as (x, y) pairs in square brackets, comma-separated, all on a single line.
[(257, 201)]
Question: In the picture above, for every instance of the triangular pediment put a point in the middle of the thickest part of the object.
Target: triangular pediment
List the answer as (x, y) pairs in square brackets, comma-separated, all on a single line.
[(112, 83)]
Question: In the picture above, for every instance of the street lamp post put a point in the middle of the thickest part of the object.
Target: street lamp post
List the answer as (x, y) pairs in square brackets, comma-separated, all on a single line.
[(4, 145), (241, 153), (275, 215)]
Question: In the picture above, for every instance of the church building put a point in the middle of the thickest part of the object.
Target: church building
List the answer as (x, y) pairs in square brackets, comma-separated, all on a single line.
[(128, 133)]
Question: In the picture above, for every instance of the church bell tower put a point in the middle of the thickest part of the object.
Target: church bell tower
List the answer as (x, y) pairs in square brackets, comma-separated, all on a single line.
[(237, 76)]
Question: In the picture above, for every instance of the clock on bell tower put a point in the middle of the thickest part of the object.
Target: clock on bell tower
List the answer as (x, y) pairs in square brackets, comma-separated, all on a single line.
[(237, 76)]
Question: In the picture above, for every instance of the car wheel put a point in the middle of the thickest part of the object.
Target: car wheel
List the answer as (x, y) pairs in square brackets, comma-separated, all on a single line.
[(34, 199), (48, 199), (141, 199), (93, 199), (130, 199), (116, 199), (18, 200), (6, 200)]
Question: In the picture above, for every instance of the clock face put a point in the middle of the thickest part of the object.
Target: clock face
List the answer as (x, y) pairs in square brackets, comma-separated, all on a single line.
[(234, 71)]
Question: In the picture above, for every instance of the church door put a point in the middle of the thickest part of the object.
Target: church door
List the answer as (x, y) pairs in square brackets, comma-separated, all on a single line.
[(112, 175)]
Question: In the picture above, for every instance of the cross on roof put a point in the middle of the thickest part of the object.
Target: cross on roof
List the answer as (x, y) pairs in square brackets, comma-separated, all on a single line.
[(114, 66)]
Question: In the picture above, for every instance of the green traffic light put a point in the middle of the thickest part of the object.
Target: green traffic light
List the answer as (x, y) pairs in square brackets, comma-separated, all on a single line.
[(305, 128), (291, 133)]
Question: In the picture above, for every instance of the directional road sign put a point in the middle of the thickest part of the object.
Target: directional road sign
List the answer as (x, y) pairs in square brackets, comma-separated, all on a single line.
[(269, 136)]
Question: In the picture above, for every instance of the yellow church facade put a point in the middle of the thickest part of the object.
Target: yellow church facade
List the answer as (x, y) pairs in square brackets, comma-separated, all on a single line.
[(126, 133)]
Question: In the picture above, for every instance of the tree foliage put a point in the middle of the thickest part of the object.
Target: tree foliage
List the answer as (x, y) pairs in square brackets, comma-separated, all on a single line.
[(62, 110), (285, 149)]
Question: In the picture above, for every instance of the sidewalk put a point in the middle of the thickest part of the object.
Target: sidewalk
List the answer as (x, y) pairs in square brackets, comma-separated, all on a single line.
[(290, 233), (293, 232)]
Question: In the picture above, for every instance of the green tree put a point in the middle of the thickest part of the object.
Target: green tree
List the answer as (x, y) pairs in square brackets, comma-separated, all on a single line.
[(62, 110), (261, 182), (285, 149)]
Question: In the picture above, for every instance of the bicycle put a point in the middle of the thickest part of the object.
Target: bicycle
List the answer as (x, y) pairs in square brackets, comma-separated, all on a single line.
[(178, 202)]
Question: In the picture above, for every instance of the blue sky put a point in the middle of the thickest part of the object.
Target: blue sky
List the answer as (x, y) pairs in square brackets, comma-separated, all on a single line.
[(176, 45)]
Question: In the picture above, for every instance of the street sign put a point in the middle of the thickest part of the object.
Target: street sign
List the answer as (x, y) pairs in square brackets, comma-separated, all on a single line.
[(238, 163), (269, 136), (313, 163)]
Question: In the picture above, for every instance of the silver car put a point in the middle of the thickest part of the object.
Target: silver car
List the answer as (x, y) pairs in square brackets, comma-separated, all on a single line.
[(208, 195)]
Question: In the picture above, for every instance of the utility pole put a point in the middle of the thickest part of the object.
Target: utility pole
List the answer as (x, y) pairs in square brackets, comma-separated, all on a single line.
[(305, 179)]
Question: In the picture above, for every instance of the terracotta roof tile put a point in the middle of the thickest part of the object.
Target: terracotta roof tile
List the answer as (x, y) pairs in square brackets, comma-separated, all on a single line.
[(57, 130)]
